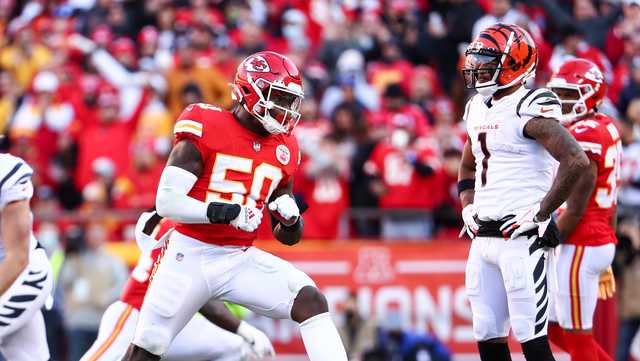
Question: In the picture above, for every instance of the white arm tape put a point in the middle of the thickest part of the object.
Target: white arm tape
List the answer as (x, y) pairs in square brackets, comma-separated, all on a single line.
[(172, 200)]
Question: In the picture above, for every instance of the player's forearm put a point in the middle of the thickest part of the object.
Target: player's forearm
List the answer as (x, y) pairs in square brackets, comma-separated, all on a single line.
[(557, 140), (466, 197), (570, 172), (567, 223), (578, 201), (289, 235), (217, 313), (466, 175), (172, 200)]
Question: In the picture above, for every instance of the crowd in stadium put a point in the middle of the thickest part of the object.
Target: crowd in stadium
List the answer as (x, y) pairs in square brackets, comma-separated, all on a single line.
[(90, 89)]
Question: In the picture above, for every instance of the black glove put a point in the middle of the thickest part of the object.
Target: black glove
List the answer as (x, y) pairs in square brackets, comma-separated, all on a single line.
[(551, 236)]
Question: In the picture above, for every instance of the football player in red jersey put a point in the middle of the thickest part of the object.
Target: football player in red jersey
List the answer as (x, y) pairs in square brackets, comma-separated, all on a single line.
[(224, 168), (587, 223), (220, 340)]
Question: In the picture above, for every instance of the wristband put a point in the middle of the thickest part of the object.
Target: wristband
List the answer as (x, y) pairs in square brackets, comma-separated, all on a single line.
[(222, 213), (466, 184)]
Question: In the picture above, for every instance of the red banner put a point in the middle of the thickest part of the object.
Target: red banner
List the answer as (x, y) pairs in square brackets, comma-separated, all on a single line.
[(425, 281)]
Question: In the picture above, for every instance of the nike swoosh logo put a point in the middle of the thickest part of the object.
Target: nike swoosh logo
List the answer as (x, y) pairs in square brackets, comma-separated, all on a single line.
[(543, 110)]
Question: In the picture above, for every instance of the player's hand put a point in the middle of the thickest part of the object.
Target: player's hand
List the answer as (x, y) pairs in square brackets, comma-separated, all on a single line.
[(248, 219), (524, 222), (469, 212), (285, 209), (260, 345), (607, 284)]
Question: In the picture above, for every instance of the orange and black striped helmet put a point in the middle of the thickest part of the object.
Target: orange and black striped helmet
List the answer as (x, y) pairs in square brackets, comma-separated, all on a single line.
[(501, 56)]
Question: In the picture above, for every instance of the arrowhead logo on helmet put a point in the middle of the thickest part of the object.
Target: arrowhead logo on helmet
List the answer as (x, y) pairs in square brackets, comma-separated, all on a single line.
[(258, 64)]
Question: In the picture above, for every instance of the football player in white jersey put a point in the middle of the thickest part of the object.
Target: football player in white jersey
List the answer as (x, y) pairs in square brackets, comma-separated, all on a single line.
[(25, 273), (508, 190)]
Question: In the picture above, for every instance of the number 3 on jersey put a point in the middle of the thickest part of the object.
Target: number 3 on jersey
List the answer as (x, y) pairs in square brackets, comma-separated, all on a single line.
[(223, 189), (606, 196)]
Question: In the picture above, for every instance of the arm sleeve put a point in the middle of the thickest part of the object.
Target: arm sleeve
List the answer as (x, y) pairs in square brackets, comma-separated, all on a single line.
[(15, 184), (173, 201), (541, 103)]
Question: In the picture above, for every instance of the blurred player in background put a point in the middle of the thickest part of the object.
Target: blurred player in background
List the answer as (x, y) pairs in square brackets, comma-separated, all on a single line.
[(25, 273), (224, 338), (587, 225), (508, 190), (224, 168)]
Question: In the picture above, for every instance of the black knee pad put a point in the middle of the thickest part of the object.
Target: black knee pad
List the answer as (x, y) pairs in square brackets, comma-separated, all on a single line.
[(494, 351), (537, 349)]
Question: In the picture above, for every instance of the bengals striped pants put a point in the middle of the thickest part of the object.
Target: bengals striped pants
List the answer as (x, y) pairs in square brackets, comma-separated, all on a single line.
[(506, 283)]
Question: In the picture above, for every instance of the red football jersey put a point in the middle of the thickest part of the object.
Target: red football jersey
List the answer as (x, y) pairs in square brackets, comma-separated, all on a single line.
[(138, 283), (405, 187), (328, 199), (600, 139), (239, 167)]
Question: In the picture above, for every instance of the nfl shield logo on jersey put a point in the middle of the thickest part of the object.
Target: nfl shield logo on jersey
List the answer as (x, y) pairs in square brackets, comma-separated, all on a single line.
[(257, 64), (282, 154)]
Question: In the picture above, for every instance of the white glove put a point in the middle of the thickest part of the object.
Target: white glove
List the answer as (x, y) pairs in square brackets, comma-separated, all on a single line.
[(248, 219), (523, 222), (285, 209), (468, 217), (260, 345)]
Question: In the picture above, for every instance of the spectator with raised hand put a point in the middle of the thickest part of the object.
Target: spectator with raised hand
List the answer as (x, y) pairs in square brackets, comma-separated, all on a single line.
[(119, 131)]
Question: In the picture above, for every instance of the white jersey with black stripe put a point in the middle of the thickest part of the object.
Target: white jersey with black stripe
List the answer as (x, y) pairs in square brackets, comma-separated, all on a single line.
[(15, 185), (513, 171)]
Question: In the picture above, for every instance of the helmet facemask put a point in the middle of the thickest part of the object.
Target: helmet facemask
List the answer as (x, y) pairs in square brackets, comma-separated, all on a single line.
[(481, 71), (278, 108), (484, 66), (573, 97)]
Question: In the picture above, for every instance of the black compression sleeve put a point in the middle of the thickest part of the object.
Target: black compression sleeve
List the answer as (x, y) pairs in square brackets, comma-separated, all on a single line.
[(222, 213)]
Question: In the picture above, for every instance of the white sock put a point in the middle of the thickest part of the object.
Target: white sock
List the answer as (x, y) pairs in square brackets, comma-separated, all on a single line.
[(321, 339)]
